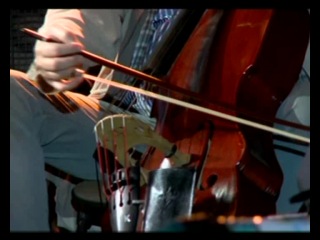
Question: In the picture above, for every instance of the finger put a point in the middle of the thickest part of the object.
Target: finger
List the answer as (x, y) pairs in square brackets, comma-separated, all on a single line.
[(60, 32), (57, 64), (67, 84), (51, 49), (58, 75)]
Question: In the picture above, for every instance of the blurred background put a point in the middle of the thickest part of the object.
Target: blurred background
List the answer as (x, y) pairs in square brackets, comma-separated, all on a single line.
[(21, 47)]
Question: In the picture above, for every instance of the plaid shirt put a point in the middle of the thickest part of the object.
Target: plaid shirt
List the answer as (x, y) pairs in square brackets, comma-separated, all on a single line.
[(156, 23)]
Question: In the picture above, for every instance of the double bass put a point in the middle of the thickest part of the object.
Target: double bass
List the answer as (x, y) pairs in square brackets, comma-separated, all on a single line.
[(243, 62)]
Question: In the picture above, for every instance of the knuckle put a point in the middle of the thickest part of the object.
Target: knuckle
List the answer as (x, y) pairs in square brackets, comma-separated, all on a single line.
[(54, 65)]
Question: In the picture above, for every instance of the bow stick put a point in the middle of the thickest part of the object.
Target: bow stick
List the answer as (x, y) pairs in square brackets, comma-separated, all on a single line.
[(149, 78)]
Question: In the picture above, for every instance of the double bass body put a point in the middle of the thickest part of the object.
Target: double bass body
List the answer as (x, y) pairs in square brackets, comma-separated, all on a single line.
[(246, 61)]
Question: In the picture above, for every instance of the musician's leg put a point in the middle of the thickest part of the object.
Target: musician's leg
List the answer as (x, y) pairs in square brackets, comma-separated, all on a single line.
[(295, 108), (304, 177), (56, 130)]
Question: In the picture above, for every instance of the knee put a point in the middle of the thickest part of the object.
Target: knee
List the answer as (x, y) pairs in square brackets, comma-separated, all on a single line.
[(22, 93), (16, 74), (16, 77), (20, 82)]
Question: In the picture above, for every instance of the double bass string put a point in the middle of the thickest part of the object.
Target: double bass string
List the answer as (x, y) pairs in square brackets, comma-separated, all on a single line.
[(199, 108), (152, 79), (159, 82)]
